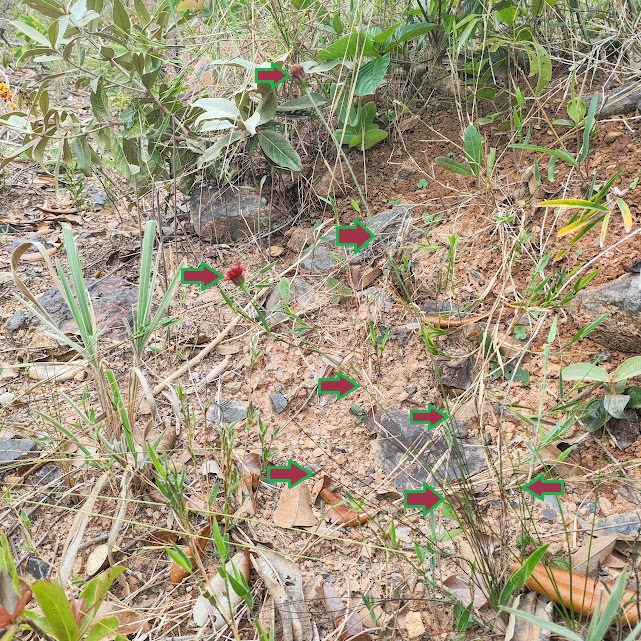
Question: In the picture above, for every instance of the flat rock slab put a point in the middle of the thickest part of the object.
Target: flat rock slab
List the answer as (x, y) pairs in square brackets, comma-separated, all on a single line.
[(415, 455), (627, 524), (624, 431), (13, 450), (221, 215), (227, 412), (112, 299), (622, 299)]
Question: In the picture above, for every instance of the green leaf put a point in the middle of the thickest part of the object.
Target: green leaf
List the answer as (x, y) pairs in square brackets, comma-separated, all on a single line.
[(47, 8), (411, 31), (628, 369), (587, 132), (303, 102), (585, 372), (635, 397), (543, 68), (615, 404), (473, 143), (285, 288), (212, 153), (82, 153), (96, 590), (32, 33), (179, 557), (518, 579), (371, 75), (545, 624), (100, 101), (452, 165), (279, 150), (349, 47), (595, 415), (562, 154), (120, 160), (102, 628), (121, 17), (216, 109), (372, 137), (53, 602)]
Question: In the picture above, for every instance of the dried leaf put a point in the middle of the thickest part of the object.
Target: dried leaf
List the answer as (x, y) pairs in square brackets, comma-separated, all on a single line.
[(521, 630), (587, 559), (341, 514), (467, 591), (96, 559), (350, 624), (177, 573), (294, 508)]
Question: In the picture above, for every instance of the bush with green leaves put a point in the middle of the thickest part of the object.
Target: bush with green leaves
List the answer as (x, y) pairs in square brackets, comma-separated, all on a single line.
[(58, 617), (618, 399)]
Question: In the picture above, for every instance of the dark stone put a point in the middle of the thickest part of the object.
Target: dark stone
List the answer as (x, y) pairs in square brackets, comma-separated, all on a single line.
[(487, 438), (15, 322), (219, 215), (587, 509), (549, 515), (48, 473), (621, 331), (415, 455), (627, 524), (112, 299), (624, 431), (227, 412), (319, 259), (38, 568), (278, 402), (13, 450), (456, 373), (632, 497)]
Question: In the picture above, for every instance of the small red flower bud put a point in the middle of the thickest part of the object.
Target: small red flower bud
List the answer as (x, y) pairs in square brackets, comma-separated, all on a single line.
[(236, 274), (297, 72)]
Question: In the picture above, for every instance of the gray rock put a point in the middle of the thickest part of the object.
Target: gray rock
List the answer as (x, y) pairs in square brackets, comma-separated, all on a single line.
[(414, 455), (632, 497), (549, 515), (15, 322), (627, 524), (227, 412), (378, 297), (624, 431), (220, 215), (14, 450), (48, 473), (456, 372), (112, 299), (38, 568), (302, 298), (622, 299), (278, 402), (319, 259)]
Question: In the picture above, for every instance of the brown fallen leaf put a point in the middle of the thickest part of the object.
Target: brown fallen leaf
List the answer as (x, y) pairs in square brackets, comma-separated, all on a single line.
[(351, 625), (294, 508), (466, 589), (589, 557), (580, 593), (177, 573), (339, 513), (519, 629)]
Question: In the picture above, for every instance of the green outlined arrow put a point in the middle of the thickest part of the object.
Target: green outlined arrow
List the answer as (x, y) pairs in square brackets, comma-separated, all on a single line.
[(292, 474)]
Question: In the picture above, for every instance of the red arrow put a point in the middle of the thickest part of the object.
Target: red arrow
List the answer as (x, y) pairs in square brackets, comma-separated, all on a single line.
[(292, 474), (204, 275), (432, 417), (539, 487), (273, 75), (426, 499), (340, 385), (356, 235)]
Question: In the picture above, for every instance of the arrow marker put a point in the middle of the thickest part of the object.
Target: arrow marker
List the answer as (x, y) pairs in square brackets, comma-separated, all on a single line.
[(539, 487), (340, 385), (292, 474), (204, 275), (274, 75), (426, 499), (356, 236), (432, 417)]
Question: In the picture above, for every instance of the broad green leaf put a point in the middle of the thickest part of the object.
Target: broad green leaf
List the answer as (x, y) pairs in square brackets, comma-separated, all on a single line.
[(373, 137), (520, 576), (543, 68), (121, 17), (32, 33), (585, 372), (571, 202), (473, 142), (452, 165), (48, 8), (371, 75), (354, 45), (82, 153), (96, 590), (615, 404), (279, 150), (212, 153), (383, 36), (595, 415), (102, 628), (635, 397), (303, 102), (100, 101), (216, 109), (411, 31), (53, 602), (285, 288), (267, 107), (120, 160), (628, 369)]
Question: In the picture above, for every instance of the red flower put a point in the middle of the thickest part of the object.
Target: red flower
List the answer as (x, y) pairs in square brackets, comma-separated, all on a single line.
[(297, 72), (236, 274)]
